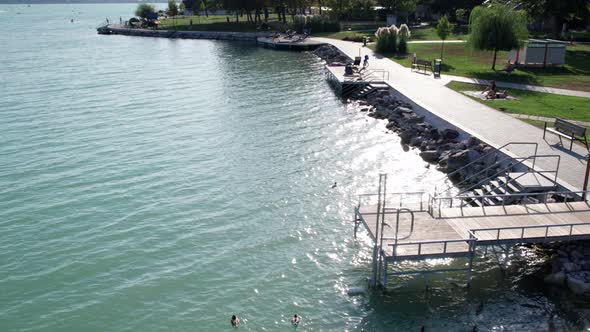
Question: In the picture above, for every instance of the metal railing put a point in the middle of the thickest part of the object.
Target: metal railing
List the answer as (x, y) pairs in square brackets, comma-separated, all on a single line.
[(381, 74), (567, 196), (504, 171), (523, 229), (444, 243), (397, 199), (495, 152)]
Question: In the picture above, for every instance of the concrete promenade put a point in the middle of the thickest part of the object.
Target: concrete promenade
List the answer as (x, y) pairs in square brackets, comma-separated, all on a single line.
[(485, 123)]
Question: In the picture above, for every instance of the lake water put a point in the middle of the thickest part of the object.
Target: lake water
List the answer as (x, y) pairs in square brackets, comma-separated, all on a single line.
[(153, 184)]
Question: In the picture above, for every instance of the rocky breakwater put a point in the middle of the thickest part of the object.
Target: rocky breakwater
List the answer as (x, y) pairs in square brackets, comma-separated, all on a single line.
[(570, 266), (441, 146), (332, 55), (444, 147)]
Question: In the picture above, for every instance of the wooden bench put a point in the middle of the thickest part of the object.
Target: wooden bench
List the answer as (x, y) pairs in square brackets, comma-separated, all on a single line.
[(424, 64), (568, 130)]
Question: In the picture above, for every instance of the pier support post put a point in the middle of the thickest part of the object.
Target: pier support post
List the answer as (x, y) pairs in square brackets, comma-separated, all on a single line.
[(384, 273), (356, 221), (470, 270)]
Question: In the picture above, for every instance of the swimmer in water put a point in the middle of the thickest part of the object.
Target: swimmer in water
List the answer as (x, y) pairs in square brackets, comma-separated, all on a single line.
[(334, 185), (235, 321), (295, 320)]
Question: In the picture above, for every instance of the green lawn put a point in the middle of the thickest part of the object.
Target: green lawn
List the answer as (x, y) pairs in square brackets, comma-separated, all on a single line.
[(429, 33), (534, 103), (461, 61), (217, 23)]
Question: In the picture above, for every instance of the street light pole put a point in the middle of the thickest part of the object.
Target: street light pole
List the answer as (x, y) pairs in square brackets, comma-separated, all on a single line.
[(586, 178)]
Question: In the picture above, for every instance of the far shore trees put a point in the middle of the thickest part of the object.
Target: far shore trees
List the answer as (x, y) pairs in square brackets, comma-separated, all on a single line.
[(172, 8), (443, 30), (144, 9), (497, 28)]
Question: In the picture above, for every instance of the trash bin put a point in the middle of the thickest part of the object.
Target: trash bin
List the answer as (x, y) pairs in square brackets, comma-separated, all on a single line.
[(437, 64)]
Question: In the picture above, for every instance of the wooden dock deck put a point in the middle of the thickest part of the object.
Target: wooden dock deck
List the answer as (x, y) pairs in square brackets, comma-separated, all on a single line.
[(457, 228), (294, 43)]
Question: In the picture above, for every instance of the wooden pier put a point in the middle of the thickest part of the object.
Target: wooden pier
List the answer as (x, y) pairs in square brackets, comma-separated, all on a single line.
[(409, 227), (294, 43)]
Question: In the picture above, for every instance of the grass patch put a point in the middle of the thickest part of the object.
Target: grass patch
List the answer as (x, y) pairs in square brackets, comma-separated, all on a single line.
[(533, 103), (429, 33), (218, 23), (461, 61)]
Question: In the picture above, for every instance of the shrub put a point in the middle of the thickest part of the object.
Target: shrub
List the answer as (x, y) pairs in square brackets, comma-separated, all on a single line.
[(144, 9), (387, 39), (404, 35)]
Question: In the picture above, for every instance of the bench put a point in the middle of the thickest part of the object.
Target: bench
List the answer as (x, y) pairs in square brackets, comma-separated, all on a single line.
[(424, 64), (568, 130)]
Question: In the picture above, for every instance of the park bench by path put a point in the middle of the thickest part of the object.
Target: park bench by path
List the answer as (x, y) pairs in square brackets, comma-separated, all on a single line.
[(420, 63), (568, 130)]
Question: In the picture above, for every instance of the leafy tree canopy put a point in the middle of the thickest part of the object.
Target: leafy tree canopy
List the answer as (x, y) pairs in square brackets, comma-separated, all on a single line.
[(496, 28), (144, 9)]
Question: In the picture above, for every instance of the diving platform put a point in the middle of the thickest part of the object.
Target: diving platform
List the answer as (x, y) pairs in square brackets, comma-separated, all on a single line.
[(412, 227)]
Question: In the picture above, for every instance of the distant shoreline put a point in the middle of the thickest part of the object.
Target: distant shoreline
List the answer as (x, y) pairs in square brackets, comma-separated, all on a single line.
[(74, 2)]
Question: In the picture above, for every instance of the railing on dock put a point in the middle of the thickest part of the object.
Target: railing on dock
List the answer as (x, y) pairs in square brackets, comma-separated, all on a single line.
[(523, 229), (524, 199)]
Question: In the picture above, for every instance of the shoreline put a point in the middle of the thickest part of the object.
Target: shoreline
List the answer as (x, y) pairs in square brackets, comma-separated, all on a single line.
[(182, 34)]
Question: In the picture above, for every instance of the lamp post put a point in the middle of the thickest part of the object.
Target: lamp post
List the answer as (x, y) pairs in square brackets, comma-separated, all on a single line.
[(586, 178)]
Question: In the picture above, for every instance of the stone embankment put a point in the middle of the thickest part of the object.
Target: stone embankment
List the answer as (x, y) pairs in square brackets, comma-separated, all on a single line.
[(441, 146), (570, 266), (216, 35)]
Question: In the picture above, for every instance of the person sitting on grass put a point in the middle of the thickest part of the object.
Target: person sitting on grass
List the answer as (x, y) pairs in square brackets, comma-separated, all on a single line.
[(490, 91)]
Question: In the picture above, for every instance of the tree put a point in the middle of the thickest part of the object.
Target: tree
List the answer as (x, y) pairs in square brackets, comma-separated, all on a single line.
[(460, 15), (497, 28), (144, 9), (560, 11), (443, 30), (172, 8)]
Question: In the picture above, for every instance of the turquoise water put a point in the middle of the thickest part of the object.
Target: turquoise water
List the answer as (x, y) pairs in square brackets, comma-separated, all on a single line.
[(152, 184)]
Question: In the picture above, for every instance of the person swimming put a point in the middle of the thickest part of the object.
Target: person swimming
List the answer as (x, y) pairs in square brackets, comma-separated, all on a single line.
[(334, 185), (295, 320), (235, 321)]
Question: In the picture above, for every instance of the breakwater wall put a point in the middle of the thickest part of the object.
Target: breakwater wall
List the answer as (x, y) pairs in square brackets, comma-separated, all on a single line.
[(215, 35)]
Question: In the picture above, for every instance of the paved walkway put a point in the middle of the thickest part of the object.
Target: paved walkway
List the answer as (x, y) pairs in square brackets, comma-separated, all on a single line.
[(445, 79), (489, 125)]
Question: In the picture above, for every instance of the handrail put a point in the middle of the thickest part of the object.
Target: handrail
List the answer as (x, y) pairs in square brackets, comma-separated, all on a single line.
[(462, 198), (524, 228), (494, 150), (394, 195), (445, 243), (521, 161), (397, 223)]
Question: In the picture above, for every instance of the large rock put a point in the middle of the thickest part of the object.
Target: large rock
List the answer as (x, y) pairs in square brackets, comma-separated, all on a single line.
[(457, 160), (557, 279), (578, 286), (429, 155), (449, 134)]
